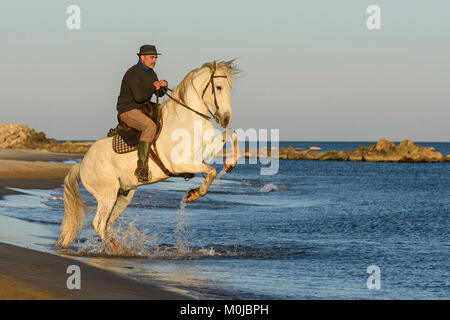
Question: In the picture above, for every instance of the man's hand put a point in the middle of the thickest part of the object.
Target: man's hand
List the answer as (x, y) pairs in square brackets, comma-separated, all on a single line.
[(159, 84)]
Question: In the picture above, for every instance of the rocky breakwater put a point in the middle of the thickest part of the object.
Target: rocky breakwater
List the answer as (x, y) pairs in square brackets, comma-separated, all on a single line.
[(20, 136), (383, 151)]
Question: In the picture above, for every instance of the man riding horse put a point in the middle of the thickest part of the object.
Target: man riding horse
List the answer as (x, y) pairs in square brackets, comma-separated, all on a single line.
[(139, 84)]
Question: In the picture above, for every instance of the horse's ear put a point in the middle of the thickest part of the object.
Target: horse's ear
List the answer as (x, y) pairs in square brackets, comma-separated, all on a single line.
[(214, 66)]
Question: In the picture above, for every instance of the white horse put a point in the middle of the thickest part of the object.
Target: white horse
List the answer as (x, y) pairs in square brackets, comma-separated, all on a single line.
[(109, 176)]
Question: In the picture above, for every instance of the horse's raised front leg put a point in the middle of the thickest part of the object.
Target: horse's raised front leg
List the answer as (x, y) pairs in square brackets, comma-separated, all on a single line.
[(231, 161), (210, 151), (217, 145), (210, 171)]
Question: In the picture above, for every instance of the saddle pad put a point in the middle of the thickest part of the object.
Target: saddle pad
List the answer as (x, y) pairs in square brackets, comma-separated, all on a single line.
[(120, 146)]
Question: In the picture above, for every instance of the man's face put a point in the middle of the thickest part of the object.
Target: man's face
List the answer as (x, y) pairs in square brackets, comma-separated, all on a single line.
[(149, 60)]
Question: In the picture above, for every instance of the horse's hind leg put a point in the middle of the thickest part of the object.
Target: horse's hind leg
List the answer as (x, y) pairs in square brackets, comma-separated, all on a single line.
[(104, 207), (123, 200), (104, 188)]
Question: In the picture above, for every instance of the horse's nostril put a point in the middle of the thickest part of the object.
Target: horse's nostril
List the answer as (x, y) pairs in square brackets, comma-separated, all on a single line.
[(226, 118)]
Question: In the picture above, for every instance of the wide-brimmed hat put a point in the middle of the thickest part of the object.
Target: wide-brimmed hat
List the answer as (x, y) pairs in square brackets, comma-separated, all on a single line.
[(147, 49)]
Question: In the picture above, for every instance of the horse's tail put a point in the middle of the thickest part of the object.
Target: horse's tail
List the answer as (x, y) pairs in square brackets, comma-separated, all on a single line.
[(74, 208)]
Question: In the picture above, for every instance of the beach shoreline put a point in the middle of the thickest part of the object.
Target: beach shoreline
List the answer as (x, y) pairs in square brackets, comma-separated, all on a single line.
[(28, 274)]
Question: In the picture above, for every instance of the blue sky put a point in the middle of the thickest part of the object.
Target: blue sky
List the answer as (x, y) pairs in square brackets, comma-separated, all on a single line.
[(310, 68)]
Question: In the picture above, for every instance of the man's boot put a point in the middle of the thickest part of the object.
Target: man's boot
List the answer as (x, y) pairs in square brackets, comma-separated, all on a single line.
[(142, 172)]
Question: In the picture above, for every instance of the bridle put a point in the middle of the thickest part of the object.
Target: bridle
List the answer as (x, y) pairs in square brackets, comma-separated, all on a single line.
[(211, 81)]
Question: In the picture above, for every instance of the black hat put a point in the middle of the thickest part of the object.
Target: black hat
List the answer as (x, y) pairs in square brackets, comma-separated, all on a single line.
[(147, 49)]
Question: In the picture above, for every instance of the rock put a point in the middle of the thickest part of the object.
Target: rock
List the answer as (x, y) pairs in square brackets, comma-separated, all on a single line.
[(315, 148), (411, 152), (251, 152), (264, 152), (384, 145), (20, 136), (355, 156), (383, 151), (331, 155), (287, 153)]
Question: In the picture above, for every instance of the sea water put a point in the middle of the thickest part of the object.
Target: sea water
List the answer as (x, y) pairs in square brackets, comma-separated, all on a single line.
[(308, 232)]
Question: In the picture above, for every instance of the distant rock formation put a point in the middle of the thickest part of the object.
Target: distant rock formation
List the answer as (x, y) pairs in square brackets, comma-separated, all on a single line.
[(20, 136), (383, 151)]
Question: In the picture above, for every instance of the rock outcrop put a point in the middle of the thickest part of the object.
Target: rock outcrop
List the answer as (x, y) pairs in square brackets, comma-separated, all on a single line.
[(20, 136), (383, 151)]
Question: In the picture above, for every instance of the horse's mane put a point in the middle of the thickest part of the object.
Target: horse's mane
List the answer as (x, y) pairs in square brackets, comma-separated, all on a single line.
[(227, 67)]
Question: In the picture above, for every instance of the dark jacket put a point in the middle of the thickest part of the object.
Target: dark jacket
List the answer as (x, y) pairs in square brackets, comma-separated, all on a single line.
[(137, 88)]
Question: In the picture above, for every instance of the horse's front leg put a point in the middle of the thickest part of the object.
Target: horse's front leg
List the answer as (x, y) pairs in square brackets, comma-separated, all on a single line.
[(210, 171), (216, 146), (231, 161)]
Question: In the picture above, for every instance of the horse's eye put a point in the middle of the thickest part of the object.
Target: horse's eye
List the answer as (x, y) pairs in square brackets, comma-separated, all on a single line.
[(219, 88)]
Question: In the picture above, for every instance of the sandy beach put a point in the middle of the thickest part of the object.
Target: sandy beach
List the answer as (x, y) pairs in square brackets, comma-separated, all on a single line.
[(30, 274), (32, 169)]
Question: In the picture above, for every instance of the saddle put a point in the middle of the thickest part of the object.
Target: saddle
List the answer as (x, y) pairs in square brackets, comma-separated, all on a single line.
[(126, 139), (130, 136)]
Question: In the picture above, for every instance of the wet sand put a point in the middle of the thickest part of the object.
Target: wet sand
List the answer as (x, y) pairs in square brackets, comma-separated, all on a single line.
[(30, 274)]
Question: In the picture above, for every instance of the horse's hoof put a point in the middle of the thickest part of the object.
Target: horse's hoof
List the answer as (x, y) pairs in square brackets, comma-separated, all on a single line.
[(192, 195), (228, 168)]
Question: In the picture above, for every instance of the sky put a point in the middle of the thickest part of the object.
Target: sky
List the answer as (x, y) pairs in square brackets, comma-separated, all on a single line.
[(311, 69)]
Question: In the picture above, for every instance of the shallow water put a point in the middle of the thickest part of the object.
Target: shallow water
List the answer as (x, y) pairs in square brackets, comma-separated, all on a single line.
[(308, 232)]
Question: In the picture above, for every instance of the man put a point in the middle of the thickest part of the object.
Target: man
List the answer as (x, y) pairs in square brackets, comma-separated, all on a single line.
[(139, 83)]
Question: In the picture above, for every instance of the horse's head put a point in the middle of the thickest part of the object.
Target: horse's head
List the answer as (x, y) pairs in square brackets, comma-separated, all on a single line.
[(216, 86)]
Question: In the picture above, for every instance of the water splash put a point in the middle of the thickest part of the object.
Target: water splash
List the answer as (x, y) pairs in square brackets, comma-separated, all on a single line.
[(125, 241), (129, 242), (221, 174), (270, 187), (181, 233)]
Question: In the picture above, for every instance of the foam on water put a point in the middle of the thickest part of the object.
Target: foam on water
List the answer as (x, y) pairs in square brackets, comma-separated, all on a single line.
[(52, 198)]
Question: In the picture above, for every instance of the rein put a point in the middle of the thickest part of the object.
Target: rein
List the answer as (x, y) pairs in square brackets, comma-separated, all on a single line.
[(184, 105), (211, 81), (154, 154)]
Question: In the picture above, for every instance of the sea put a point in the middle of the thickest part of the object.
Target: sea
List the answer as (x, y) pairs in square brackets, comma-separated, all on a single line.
[(309, 230)]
